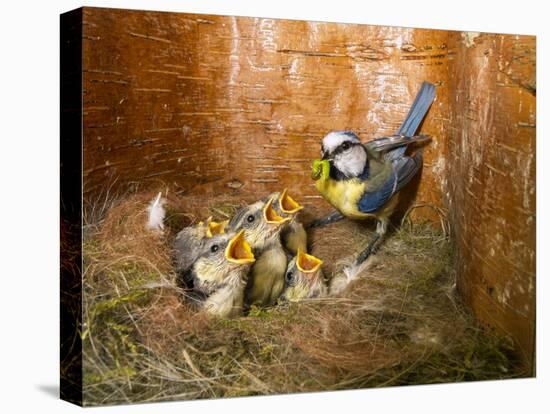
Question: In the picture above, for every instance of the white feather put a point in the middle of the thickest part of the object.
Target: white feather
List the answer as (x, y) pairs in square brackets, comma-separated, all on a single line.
[(156, 214), (350, 272)]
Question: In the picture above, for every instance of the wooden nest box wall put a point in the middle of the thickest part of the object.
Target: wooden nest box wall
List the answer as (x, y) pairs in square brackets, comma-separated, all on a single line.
[(213, 104)]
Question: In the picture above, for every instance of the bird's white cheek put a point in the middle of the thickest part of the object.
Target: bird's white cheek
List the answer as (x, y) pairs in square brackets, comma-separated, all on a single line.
[(352, 164), (340, 164), (346, 165)]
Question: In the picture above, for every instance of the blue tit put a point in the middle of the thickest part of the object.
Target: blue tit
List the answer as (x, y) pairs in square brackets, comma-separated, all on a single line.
[(219, 274), (262, 226), (187, 243), (363, 181), (293, 235), (304, 278)]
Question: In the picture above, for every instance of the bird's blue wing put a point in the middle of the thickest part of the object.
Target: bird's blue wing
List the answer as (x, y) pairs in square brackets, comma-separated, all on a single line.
[(371, 201), (406, 168), (385, 144), (403, 170)]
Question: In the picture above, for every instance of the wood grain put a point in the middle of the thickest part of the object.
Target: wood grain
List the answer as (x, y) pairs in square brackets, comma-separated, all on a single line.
[(212, 104), (219, 104), (491, 179)]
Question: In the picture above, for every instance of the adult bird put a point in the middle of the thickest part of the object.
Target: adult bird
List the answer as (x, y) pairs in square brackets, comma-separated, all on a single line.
[(363, 180)]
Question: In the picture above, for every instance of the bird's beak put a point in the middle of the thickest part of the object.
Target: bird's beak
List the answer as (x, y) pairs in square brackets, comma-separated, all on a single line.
[(287, 203), (271, 216), (238, 250), (307, 263), (215, 227)]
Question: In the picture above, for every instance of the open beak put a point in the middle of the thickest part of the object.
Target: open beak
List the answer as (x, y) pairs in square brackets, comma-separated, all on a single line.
[(307, 263), (202, 223), (238, 250), (288, 204), (216, 228), (271, 216)]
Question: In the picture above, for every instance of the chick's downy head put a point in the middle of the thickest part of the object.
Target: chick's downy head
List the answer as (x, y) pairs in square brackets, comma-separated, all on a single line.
[(188, 242), (260, 221), (187, 245), (304, 278), (224, 258)]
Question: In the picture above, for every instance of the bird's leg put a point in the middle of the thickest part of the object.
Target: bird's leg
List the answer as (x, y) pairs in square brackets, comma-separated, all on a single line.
[(328, 219), (381, 228)]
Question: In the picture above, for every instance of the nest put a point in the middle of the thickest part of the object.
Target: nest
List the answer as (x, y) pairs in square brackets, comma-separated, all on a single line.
[(400, 323)]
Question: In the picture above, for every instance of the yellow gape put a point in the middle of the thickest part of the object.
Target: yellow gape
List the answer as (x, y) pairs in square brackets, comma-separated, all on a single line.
[(238, 250), (215, 227), (307, 263), (293, 236), (304, 278)]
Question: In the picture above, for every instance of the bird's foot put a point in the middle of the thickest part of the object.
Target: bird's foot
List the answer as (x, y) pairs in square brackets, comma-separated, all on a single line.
[(364, 255), (371, 248), (328, 219)]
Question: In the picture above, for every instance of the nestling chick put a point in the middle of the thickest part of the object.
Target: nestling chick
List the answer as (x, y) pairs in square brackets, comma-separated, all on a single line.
[(187, 243), (219, 274), (262, 226), (304, 278), (293, 235)]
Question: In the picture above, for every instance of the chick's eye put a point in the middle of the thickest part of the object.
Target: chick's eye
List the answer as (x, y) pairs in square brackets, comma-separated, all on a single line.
[(345, 145), (289, 277), (250, 218), (214, 248)]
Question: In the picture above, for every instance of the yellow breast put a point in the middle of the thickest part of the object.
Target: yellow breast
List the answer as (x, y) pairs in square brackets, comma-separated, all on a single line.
[(343, 195)]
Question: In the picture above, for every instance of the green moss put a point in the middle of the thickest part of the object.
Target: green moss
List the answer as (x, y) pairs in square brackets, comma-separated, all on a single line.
[(122, 373), (112, 303)]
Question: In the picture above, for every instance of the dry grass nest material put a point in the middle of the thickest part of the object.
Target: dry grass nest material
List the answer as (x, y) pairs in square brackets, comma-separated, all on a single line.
[(400, 323)]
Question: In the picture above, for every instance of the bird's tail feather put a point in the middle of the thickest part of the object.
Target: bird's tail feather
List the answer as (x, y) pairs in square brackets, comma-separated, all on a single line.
[(418, 111)]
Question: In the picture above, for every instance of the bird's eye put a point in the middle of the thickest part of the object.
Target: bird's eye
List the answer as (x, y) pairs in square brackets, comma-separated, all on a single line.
[(214, 248), (345, 145), (289, 277), (250, 218)]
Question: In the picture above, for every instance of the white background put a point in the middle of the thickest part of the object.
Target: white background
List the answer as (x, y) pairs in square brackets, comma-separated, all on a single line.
[(29, 206)]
